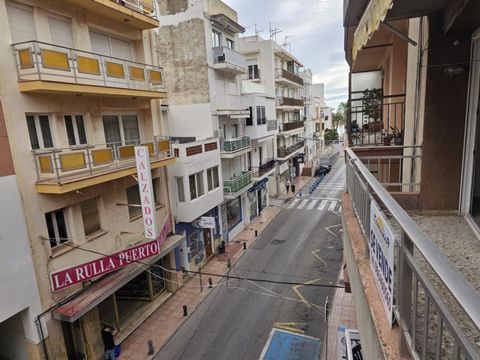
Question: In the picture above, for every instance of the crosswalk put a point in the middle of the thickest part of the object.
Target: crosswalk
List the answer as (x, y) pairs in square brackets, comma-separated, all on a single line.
[(314, 204)]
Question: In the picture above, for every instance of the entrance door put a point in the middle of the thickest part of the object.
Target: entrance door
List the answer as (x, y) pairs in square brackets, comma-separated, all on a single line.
[(207, 241), (259, 196)]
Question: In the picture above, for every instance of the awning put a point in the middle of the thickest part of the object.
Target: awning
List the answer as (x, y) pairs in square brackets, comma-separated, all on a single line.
[(101, 290), (374, 14)]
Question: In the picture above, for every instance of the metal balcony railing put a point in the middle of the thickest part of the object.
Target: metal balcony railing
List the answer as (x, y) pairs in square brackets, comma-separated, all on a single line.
[(287, 101), (262, 169), (235, 184), (272, 125), (236, 144), (437, 309), (291, 125), (223, 54), (38, 60), (145, 7), (285, 151), (89, 160), (285, 74), (376, 120)]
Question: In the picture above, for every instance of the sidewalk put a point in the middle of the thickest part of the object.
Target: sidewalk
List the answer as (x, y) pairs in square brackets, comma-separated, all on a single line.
[(163, 323), (300, 182)]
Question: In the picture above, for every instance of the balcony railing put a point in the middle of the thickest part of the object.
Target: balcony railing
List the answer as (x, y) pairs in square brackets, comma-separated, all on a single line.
[(262, 169), (287, 101), (285, 151), (285, 74), (233, 145), (272, 125), (235, 184), (145, 7), (291, 125), (61, 164), (225, 55), (42, 61), (376, 120), (437, 309)]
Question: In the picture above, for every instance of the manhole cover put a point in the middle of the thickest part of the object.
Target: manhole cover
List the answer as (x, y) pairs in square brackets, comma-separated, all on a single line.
[(277, 241)]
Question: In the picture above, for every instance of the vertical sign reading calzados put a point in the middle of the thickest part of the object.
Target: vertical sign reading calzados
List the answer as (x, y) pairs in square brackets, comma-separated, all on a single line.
[(146, 191), (381, 245)]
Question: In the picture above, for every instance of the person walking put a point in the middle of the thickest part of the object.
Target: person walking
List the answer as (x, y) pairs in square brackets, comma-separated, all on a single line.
[(287, 185), (108, 335)]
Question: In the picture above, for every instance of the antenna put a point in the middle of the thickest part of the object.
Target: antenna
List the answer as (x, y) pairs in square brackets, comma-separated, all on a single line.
[(274, 32), (257, 31), (285, 43)]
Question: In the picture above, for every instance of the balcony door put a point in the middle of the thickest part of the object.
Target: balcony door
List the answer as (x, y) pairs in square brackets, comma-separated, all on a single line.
[(121, 130)]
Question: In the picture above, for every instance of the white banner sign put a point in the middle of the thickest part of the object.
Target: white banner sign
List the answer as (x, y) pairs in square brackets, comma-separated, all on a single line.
[(381, 245), (145, 187), (207, 222)]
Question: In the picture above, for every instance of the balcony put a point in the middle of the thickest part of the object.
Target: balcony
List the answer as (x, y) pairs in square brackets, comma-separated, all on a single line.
[(235, 147), (237, 185), (228, 60), (288, 78), (140, 14), (434, 282), (50, 69), (291, 127), (287, 102), (285, 153), (263, 169), (62, 170)]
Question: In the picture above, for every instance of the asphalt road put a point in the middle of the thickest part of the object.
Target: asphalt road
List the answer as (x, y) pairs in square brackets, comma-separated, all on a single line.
[(302, 244)]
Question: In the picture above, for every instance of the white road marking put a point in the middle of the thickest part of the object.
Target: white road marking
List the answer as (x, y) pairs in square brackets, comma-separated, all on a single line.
[(302, 204), (322, 205), (312, 204), (332, 206), (293, 203)]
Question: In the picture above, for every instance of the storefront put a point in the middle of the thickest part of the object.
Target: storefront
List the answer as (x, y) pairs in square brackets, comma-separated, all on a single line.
[(258, 198), (234, 216)]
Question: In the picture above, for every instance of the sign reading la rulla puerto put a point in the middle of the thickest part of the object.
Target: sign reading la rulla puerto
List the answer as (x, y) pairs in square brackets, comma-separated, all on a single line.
[(145, 188), (83, 272), (381, 245)]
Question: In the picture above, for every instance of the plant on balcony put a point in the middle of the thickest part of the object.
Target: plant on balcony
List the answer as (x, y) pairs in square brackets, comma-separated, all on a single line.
[(397, 135), (372, 100)]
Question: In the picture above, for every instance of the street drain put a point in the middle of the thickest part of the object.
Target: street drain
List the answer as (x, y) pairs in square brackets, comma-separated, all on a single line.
[(277, 241)]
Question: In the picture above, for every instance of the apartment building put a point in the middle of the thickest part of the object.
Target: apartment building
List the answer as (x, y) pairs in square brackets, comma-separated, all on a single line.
[(79, 90), (279, 74), (307, 114), (410, 216)]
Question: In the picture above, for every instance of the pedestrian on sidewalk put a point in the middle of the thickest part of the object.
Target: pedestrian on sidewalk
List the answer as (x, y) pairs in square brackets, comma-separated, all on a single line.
[(108, 335), (287, 185)]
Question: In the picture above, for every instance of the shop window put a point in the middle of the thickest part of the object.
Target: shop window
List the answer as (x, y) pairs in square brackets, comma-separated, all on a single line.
[(39, 131), (193, 244), (158, 278), (216, 38), (212, 177), (195, 182), (230, 44), (75, 130), (180, 189), (261, 119), (57, 227), (90, 216), (234, 212), (134, 202)]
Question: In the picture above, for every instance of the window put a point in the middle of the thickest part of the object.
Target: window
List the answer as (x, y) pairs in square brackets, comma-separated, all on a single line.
[(75, 130), (180, 189), (230, 44), (39, 131), (249, 121), (56, 226), (90, 217), (212, 178), (134, 202), (216, 38), (107, 45), (22, 26), (121, 129), (234, 212), (195, 182), (261, 119), (61, 31), (253, 72)]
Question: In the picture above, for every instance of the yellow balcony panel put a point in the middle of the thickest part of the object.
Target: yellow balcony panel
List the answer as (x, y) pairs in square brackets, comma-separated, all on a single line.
[(84, 180), (139, 14), (54, 87)]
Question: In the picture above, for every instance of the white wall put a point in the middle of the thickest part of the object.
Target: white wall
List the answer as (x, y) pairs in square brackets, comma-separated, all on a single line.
[(191, 120)]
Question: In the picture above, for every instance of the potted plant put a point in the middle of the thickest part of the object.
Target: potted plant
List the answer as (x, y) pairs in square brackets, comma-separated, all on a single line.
[(387, 139), (397, 135)]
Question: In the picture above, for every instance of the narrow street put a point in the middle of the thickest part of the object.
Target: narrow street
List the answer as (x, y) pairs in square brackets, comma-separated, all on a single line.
[(301, 245)]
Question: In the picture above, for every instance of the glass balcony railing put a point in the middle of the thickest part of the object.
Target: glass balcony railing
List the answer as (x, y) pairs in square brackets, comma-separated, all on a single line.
[(233, 145), (225, 55), (48, 62), (235, 184), (272, 125)]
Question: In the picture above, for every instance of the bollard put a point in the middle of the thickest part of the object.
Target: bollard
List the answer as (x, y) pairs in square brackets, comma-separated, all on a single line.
[(244, 245), (150, 347), (256, 233), (210, 283), (228, 263), (185, 310)]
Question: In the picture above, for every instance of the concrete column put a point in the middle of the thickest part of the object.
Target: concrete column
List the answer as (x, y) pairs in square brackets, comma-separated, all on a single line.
[(92, 334)]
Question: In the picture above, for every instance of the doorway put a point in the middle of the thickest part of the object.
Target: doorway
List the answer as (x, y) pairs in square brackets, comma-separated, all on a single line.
[(207, 241)]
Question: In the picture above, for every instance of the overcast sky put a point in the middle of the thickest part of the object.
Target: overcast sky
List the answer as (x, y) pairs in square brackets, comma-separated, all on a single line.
[(315, 32)]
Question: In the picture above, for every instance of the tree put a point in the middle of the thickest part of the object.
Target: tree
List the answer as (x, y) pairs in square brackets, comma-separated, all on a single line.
[(339, 116), (331, 134)]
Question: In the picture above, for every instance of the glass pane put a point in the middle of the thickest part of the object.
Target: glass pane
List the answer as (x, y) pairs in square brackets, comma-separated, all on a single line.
[(70, 132), (106, 312), (46, 134), (134, 289), (130, 129), (133, 198), (61, 226), (193, 190), (112, 130), (216, 183), (200, 187), (259, 116), (32, 132), (51, 231), (234, 213), (180, 189), (82, 137), (91, 220), (209, 179), (158, 278)]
